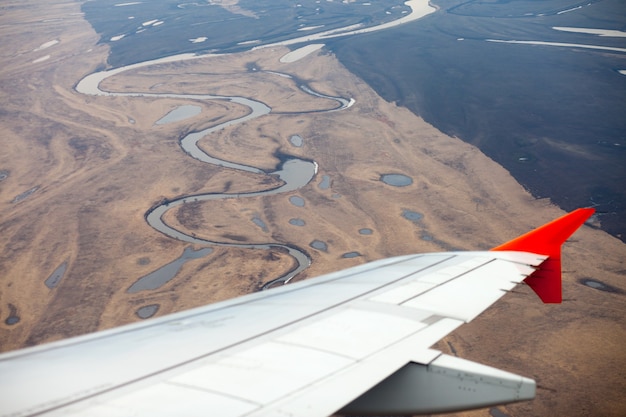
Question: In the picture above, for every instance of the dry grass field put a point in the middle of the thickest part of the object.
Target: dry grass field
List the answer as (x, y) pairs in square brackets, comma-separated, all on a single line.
[(79, 173)]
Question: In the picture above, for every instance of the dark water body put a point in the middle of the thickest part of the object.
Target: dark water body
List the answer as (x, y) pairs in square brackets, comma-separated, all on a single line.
[(297, 222), (24, 195), (55, 278), (166, 273), (494, 412), (554, 117), (13, 317), (319, 245), (296, 140), (179, 113), (11, 320), (396, 180), (148, 311), (325, 183), (259, 222), (296, 201), (414, 216), (601, 286)]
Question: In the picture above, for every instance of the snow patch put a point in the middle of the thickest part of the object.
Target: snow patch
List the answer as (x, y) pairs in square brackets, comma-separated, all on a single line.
[(311, 27), (598, 32), (46, 45), (43, 58), (300, 53)]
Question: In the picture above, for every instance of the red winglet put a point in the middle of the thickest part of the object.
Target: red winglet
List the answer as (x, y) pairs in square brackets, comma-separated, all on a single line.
[(547, 240)]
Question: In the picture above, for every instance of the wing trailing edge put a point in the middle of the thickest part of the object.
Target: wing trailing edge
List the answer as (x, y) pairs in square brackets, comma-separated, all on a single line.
[(547, 240), (447, 384)]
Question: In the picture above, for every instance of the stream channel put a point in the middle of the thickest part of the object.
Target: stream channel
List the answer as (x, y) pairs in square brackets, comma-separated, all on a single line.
[(294, 172)]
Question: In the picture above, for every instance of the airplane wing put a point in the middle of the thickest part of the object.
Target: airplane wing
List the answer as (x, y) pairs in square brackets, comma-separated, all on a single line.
[(354, 341)]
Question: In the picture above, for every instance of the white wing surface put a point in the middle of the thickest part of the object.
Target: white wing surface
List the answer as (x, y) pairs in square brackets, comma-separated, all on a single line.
[(357, 340)]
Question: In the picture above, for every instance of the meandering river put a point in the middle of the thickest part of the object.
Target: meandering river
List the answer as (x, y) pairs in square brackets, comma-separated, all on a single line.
[(295, 173)]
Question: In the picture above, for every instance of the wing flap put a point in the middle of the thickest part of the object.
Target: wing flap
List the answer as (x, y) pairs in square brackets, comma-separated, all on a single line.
[(162, 400), (446, 385), (326, 396), (264, 373), (354, 333)]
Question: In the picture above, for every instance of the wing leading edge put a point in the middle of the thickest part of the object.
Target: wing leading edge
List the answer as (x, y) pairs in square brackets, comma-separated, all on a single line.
[(357, 340)]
